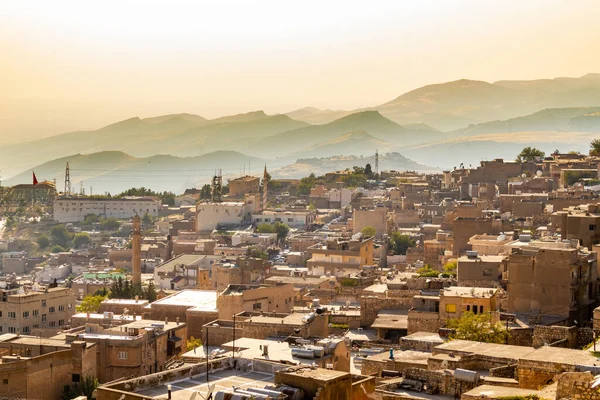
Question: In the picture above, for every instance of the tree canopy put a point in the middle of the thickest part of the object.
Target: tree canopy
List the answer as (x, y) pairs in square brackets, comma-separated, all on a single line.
[(166, 197), (60, 236), (43, 241), (477, 327), (400, 243), (368, 231), (595, 147), (81, 239), (90, 303), (529, 154)]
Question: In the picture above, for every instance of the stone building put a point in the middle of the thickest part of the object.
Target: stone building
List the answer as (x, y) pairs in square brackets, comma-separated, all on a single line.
[(475, 270), (238, 187), (23, 310), (75, 209), (552, 281), (239, 298), (377, 218), (44, 376), (340, 257)]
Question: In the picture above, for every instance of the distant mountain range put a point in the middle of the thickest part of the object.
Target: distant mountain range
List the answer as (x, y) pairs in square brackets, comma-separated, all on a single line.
[(438, 125), (115, 171), (453, 105)]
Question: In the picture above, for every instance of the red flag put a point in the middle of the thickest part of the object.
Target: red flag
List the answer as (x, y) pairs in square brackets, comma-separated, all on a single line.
[(35, 181)]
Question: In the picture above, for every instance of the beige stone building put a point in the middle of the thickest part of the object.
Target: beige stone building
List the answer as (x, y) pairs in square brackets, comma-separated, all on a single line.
[(246, 184), (238, 298), (377, 218), (476, 270), (455, 300), (24, 310), (340, 257), (552, 281)]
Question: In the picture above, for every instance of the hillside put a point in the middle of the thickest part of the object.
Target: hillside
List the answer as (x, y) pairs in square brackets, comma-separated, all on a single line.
[(551, 119), (114, 171), (357, 143), (478, 101), (316, 116), (178, 135), (387, 161)]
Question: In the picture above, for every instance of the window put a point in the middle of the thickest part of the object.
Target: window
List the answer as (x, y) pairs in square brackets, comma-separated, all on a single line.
[(468, 308), (75, 378), (43, 317), (25, 314), (51, 310), (450, 308), (0, 314), (61, 322), (43, 303), (5, 381), (52, 324), (592, 227), (487, 272), (36, 313), (0, 329), (480, 309), (122, 355), (12, 329), (12, 314), (25, 329), (61, 308), (256, 306)]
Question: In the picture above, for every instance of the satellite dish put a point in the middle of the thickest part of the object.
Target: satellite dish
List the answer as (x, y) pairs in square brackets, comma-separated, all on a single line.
[(539, 173), (524, 176)]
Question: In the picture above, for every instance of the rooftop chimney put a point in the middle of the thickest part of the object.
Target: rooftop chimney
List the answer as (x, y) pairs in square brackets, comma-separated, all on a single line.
[(136, 245)]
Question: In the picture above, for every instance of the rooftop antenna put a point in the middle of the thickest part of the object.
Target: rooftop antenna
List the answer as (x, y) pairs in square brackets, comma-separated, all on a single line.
[(67, 180)]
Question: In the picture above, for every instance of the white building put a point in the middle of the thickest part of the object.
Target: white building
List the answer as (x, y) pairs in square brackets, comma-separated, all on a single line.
[(294, 219), (49, 273), (210, 215), (75, 209)]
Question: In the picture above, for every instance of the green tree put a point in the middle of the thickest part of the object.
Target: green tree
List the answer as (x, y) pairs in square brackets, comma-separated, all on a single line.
[(82, 239), (43, 241), (265, 228), (192, 343), (205, 192), (306, 184), (595, 147), (428, 272), (147, 219), (57, 249), (368, 231), (90, 219), (90, 303), (60, 236), (400, 243), (85, 387), (109, 224), (150, 294), (255, 252), (368, 171), (478, 328), (450, 268), (282, 231), (529, 154)]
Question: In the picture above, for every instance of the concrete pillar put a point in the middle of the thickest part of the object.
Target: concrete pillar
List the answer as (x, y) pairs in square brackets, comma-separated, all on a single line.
[(136, 246)]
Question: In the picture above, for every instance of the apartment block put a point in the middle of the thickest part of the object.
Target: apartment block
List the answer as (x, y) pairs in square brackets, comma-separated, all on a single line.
[(24, 310)]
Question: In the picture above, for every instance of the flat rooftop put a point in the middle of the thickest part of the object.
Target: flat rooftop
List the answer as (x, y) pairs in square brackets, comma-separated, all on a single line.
[(391, 318), (125, 301), (498, 392), (469, 292), (202, 300), (490, 349), (223, 380), (185, 259)]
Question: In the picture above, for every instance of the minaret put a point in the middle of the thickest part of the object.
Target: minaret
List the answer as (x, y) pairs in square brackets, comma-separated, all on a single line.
[(265, 188), (136, 246)]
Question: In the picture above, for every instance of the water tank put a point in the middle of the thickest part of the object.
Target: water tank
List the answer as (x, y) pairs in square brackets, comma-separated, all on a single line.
[(315, 303), (466, 375), (293, 393), (308, 318), (303, 353), (317, 350), (471, 253), (271, 393)]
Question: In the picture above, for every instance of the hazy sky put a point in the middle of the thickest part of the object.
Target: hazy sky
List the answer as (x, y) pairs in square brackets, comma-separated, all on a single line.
[(67, 65)]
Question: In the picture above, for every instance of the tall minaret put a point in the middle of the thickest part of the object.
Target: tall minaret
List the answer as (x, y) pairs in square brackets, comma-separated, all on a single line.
[(136, 246), (265, 190)]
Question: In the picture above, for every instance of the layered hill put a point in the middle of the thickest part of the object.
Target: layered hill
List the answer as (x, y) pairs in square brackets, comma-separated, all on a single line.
[(181, 135), (115, 171)]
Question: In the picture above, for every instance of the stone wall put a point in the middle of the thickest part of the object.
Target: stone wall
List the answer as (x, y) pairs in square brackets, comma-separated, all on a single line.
[(521, 337), (558, 336), (576, 385), (535, 374), (508, 371), (370, 306), (421, 321)]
